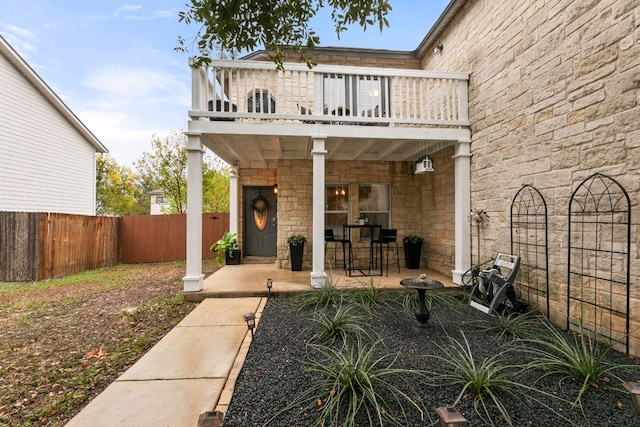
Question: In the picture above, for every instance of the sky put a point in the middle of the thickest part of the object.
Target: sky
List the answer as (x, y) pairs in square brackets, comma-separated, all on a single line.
[(113, 62)]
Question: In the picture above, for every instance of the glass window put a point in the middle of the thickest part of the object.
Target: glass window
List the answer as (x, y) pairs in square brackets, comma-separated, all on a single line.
[(372, 96), (262, 102), (374, 203), (336, 99), (365, 96), (336, 207)]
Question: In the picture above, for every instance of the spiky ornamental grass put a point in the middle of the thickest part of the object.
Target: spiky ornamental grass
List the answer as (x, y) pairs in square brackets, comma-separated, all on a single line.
[(576, 356), (486, 380), (516, 326), (326, 296), (356, 383), (344, 324)]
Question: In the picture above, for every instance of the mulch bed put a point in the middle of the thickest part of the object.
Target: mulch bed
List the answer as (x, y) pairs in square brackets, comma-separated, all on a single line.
[(275, 372)]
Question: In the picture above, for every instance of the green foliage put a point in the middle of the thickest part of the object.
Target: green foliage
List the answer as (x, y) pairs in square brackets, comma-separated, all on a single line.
[(579, 357), (516, 326), (116, 190), (166, 166), (353, 382), (225, 245), (296, 240), (120, 191), (328, 295), (215, 186), (368, 296), (239, 26), (344, 323), (485, 379), (412, 238)]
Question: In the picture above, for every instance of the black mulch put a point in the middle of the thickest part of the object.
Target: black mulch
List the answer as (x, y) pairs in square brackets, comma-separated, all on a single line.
[(275, 374)]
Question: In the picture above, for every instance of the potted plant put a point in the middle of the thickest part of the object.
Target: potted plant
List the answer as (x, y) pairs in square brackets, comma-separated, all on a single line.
[(227, 247), (296, 249), (412, 250)]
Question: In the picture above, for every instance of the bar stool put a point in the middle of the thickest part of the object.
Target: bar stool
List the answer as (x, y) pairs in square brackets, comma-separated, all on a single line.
[(387, 237), (329, 237)]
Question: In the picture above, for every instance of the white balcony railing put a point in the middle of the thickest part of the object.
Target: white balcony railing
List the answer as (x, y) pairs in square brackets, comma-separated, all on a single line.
[(257, 91)]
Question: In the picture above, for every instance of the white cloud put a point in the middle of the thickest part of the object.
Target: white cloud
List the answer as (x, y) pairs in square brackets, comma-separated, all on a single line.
[(121, 133), (140, 84), (20, 39), (128, 8), (164, 14)]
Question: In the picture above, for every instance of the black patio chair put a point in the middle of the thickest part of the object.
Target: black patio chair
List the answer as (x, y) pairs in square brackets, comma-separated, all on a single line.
[(330, 238), (387, 237)]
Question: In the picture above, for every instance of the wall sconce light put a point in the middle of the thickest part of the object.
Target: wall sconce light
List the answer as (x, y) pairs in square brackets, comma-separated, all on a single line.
[(437, 50), (634, 389), (211, 419), (269, 283), (450, 417), (275, 188), (250, 318), (424, 164)]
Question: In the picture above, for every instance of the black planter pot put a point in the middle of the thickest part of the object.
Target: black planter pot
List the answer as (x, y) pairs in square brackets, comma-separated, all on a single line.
[(412, 253), (296, 252), (234, 259)]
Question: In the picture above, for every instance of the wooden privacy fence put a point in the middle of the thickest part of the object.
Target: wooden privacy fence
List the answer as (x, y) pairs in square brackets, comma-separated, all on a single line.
[(39, 246), (157, 238)]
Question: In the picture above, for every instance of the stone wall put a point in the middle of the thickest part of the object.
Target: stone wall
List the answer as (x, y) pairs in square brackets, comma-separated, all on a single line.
[(362, 58), (420, 204), (553, 99)]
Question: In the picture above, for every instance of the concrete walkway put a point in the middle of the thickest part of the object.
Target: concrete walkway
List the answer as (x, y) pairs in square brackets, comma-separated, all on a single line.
[(193, 369)]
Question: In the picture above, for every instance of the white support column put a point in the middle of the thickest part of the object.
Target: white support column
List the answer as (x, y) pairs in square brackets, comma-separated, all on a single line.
[(318, 274), (233, 200), (192, 281), (462, 163)]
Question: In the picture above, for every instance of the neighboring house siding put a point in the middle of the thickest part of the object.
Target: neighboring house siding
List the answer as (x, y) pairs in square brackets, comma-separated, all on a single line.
[(45, 163), (553, 99)]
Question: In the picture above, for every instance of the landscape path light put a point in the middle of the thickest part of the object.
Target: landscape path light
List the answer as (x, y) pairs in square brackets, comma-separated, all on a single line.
[(634, 390), (250, 318), (450, 417), (211, 419), (269, 285)]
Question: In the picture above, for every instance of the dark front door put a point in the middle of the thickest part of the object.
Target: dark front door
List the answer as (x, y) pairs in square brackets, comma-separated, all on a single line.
[(260, 226)]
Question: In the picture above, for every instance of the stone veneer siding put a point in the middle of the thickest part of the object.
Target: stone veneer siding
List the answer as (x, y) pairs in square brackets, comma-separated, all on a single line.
[(553, 99), (420, 204)]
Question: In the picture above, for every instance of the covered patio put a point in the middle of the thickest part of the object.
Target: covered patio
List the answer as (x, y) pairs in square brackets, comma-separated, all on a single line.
[(305, 131)]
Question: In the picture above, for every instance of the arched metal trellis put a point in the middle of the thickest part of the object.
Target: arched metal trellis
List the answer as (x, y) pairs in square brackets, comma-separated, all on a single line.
[(598, 259), (529, 241)]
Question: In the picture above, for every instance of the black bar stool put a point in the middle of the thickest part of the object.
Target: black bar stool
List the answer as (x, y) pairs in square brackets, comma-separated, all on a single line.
[(329, 237), (387, 237)]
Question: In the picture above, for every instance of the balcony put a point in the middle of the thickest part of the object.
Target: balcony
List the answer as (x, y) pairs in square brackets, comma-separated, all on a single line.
[(249, 111)]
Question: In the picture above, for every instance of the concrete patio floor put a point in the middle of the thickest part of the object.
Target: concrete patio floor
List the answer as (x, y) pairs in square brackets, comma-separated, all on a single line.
[(246, 280), (193, 369)]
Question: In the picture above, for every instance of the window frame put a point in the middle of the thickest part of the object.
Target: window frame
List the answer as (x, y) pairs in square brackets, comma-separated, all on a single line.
[(338, 229)]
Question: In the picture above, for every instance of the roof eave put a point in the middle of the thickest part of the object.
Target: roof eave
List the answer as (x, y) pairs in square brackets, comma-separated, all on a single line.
[(438, 27)]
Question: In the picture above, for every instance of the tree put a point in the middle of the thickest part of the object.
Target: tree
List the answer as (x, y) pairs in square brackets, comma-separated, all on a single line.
[(166, 168), (242, 25), (215, 185), (116, 190)]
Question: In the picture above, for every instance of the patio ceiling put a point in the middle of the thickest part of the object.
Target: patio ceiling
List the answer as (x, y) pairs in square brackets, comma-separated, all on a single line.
[(252, 145)]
